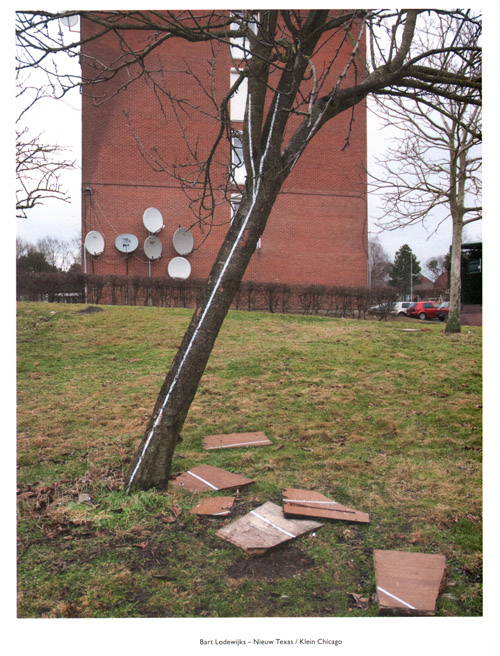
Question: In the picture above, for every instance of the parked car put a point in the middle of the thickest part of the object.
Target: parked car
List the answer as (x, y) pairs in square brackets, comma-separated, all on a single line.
[(442, 311), (422, 310), (383, 308), (400, 308)]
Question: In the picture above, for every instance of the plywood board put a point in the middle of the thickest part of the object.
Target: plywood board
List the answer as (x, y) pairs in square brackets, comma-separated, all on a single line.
[(307, 503), (205, 478), (215, 506), (233, 440), (264, 528), (408, 582)]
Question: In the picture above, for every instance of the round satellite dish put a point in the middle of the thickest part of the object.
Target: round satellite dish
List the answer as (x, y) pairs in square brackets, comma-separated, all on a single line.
[(153, 220), (152, 248), (183, 241), (94, 242), (69, 21), (126, 243), (179, 268)]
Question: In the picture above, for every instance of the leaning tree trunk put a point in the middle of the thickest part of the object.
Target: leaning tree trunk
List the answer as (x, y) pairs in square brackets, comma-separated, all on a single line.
[(152, 462), (267, 167)]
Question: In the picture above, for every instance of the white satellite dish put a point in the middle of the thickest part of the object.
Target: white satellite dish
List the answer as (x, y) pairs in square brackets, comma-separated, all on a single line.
[(179, 268), (153, 220), (69, 21), (94, 242), (126, 243), (183, 241), (152, 248)]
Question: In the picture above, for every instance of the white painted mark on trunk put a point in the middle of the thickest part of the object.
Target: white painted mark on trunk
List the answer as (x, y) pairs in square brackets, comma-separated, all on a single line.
[(255, 192)]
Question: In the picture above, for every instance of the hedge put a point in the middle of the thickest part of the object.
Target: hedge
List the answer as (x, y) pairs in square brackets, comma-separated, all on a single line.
[(327, 300)]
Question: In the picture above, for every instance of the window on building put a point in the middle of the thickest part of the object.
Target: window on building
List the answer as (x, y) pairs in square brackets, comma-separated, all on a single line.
[(235, 206), (239, 100), (240, 44), (238, 164)]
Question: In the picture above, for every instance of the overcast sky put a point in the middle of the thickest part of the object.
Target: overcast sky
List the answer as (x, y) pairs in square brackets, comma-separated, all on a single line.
[(60, 122)]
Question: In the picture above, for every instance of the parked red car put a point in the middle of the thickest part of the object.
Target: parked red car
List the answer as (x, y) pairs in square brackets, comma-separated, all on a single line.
[(423, 310)]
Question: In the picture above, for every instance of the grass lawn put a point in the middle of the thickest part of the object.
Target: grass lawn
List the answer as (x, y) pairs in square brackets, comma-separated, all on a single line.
[(378, 418)]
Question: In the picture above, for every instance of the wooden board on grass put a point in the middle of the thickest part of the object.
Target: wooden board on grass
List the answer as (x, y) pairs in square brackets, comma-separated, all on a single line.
[(215, 506), (233, 440), (408, 582), (205, 478), (264, 528), (307, 503)]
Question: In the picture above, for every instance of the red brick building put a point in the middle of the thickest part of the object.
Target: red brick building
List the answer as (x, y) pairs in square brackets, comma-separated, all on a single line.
[(317, 231)]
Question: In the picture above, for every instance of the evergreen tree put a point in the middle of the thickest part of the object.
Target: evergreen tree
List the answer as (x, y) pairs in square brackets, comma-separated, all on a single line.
[(405, 271), (436, 266), (34, 261)]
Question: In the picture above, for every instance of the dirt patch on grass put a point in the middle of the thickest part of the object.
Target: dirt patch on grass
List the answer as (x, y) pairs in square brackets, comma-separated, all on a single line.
[(281, 564), (150, 556), (90, 310)]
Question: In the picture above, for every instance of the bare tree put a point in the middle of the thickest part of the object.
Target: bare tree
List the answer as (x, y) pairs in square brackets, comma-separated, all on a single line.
[(379, 263), (433, 169), (59, 253), (22, 247), (38, 164), (289, 100)]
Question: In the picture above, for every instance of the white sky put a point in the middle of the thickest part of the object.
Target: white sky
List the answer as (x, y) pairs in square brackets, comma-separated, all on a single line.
[(429, 239), (59, 121)]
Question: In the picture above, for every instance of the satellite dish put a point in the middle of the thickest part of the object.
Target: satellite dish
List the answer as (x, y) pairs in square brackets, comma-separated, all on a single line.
[(183, 241), (152, 248), (94, 242), (153, 220), (69, 21), (126, 243), (179, 268)]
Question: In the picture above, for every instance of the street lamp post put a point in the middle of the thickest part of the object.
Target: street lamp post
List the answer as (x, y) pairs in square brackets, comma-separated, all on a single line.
[(411, 277)]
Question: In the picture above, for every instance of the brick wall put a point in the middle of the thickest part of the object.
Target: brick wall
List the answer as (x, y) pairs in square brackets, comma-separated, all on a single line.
[(316, 232)]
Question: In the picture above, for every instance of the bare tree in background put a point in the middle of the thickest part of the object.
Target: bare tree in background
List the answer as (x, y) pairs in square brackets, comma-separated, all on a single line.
[(38, 164), (289, 100), (63, 254), (433, 169), (59, 252), (379, 263)]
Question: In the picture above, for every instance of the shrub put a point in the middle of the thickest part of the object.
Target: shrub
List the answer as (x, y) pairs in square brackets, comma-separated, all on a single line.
[(330, 300)]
